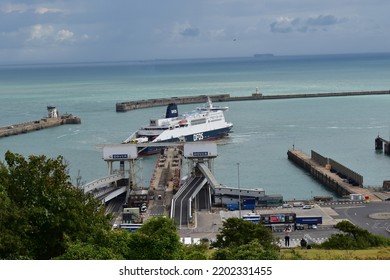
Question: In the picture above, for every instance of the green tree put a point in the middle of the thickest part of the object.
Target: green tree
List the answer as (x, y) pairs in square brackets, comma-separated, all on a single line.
[(240, 239), (196, 251), (12, 232), (41, 211), (236, 232), (251, 251), (157, 239), (87, 251), (353, 237)]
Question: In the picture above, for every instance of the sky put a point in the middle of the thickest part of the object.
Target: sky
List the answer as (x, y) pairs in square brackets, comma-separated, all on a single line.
[(43, 31)]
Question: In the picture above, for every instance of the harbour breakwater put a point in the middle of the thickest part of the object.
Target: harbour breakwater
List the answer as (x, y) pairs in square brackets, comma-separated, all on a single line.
[(148, 103), (331, 174), (53, 119)]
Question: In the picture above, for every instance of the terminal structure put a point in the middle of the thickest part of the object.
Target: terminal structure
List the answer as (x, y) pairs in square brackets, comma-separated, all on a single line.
[(167, 194)]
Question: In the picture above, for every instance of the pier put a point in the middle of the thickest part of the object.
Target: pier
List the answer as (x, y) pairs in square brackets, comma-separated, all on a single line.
[(53, 119), (165, 181), (148, 103), (331, 174), (380, 143)]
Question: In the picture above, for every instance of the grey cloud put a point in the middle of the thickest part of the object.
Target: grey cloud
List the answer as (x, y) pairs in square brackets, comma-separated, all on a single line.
[(190, 32), (289, 25), (324, 20), (295, 21), (278, 28)]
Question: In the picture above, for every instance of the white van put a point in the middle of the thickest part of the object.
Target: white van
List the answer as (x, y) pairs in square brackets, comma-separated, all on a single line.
[(297, 204)]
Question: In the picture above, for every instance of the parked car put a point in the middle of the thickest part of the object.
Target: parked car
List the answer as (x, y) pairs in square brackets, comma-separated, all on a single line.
[(306, 207), (300, 227)]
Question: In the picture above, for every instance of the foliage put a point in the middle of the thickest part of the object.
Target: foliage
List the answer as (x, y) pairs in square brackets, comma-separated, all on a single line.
[(354, 237), (40, 210), (86, 251), (157, 239), (196, 251), (236, 232), (114, 245), (240, 239), (251, 251)]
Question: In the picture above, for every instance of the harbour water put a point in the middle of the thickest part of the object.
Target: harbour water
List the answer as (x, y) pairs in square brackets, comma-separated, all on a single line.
[(343, 128)]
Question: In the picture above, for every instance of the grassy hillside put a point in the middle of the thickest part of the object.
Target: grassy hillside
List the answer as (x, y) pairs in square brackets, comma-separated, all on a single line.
[(322, 254)]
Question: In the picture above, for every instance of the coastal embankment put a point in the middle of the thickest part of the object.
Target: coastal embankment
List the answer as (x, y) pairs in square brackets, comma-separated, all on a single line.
[(148, 103), (53, 119)]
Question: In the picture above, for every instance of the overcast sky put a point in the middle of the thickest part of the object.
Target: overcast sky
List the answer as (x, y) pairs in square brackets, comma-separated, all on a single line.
[(111, 30)]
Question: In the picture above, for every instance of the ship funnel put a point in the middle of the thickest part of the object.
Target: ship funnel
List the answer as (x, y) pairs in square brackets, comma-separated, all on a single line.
[(172, 111)]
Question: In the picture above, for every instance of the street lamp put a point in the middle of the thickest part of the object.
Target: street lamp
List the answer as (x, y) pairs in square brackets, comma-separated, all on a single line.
[(239, 190)]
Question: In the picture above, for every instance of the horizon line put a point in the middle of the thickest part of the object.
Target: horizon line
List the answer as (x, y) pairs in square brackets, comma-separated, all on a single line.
[(258, 56)]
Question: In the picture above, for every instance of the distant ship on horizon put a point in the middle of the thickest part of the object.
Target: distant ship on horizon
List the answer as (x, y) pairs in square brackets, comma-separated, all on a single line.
[(263, 55)]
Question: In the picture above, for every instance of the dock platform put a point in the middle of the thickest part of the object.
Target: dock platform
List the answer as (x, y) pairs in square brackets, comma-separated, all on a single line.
[(323, 174), (165, 180), (52, 120)]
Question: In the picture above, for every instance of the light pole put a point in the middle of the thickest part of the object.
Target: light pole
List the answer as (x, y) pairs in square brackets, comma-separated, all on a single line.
[(239, 190)]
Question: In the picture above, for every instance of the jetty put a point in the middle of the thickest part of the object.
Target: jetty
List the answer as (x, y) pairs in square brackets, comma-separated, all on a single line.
[(148, 103), (331, 174), (380, 143), (165, 180), (53, 119)]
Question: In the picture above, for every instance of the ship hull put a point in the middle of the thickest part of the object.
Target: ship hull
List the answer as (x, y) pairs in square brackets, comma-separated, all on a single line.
[(203, 136)]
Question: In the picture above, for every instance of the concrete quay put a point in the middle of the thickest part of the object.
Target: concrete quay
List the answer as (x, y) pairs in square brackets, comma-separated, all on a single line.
[(325, 176), (164, 182), (43, 123), (148, 103)]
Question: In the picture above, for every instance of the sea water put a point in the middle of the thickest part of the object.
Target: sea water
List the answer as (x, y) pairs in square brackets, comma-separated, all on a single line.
[(255, 153)]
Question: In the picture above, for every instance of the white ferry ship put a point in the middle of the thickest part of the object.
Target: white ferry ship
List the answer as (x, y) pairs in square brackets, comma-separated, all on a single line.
[(204, 123)]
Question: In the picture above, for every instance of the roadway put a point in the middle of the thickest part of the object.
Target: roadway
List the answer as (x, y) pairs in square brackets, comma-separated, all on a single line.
[(364, 215), (373, 217), (181, 202)]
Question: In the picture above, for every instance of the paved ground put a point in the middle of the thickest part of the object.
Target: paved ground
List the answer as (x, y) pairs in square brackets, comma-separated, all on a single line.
[(208, 223), (374, 216)]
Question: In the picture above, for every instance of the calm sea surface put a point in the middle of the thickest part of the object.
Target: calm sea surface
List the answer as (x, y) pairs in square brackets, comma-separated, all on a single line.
[(343, 128)]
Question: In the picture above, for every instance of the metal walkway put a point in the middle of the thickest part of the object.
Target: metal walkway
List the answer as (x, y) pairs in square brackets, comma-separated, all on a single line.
[(209, 176), (103, 189), (102, 182), (106, 194)]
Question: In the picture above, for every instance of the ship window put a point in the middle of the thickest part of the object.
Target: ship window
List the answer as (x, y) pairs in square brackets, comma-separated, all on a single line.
[(196, 122)]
